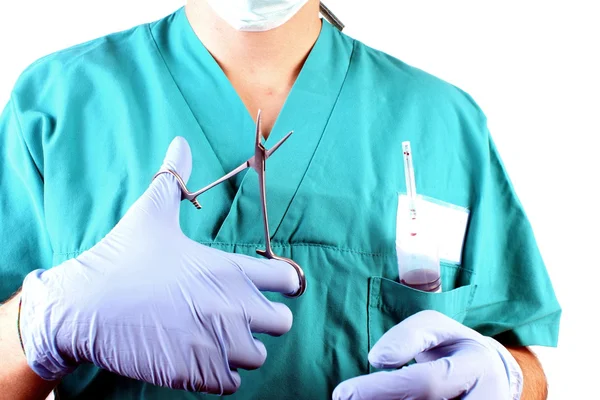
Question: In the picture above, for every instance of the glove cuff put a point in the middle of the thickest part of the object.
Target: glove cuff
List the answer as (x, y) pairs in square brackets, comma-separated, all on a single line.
[(39, 329), (513, 370)]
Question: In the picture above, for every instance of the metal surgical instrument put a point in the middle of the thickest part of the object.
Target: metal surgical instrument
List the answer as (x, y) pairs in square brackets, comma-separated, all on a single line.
[(258, 163)]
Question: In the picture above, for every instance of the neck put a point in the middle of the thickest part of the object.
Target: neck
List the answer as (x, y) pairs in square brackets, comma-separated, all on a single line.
[(273, 57)]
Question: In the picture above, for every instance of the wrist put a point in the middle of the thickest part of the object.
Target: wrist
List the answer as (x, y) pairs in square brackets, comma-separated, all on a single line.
[(17, 380), (9, 334)]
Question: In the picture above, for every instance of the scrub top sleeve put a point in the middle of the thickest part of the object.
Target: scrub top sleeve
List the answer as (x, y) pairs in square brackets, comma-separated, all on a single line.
[(514, 301), (24, 242)]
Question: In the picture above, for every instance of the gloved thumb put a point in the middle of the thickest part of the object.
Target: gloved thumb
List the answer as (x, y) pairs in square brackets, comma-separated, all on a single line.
[(163, 197), (178, 158)]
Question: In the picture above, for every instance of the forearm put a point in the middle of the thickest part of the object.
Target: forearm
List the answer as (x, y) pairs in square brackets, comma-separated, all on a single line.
[(17, 380), (535, 386)]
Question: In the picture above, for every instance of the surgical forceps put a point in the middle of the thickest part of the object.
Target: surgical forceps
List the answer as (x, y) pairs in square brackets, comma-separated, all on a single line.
[(258, 163)]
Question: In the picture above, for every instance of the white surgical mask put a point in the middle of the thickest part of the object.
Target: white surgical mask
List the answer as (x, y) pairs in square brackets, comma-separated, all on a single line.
[(256, 15)]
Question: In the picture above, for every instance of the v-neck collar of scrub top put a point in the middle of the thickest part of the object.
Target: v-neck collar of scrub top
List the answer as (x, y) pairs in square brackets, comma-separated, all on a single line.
[(226, 129)]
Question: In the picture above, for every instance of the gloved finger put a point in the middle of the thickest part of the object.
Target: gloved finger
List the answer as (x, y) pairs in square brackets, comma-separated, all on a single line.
[(379, 385), (220, 386), (366, 387), (270, 317), (268, 275), (202, 371), (231, 386), (178, 158), (246, 354), (417, 333), (164, 193), (440, 379)]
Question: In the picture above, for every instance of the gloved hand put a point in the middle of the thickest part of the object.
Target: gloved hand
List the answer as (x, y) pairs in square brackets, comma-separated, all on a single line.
[(151, 304), (452, 360)]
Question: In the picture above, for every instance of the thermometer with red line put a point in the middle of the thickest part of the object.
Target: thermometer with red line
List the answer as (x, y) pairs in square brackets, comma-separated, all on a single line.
[(411, 188)]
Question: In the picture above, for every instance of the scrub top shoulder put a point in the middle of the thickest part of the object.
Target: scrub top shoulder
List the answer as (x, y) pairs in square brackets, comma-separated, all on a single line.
[(86, 128)]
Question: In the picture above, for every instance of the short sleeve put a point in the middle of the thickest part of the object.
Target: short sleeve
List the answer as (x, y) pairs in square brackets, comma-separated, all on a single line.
[(24, 242), (514, 301)]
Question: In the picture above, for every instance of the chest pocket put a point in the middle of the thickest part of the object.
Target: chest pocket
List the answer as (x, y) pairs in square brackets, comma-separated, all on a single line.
[(389, 302)]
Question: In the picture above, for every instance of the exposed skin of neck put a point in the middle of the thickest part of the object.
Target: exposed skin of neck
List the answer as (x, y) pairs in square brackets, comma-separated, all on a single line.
[(261, 66)]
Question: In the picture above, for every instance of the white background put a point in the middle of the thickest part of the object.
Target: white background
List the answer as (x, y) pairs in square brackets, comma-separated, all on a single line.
[(531, 65)]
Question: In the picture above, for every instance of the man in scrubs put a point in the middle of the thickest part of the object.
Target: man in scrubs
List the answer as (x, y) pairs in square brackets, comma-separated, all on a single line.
[(115, 289)]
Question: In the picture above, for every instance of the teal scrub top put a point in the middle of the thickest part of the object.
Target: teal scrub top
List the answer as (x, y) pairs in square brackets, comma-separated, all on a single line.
[(86, 128)]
